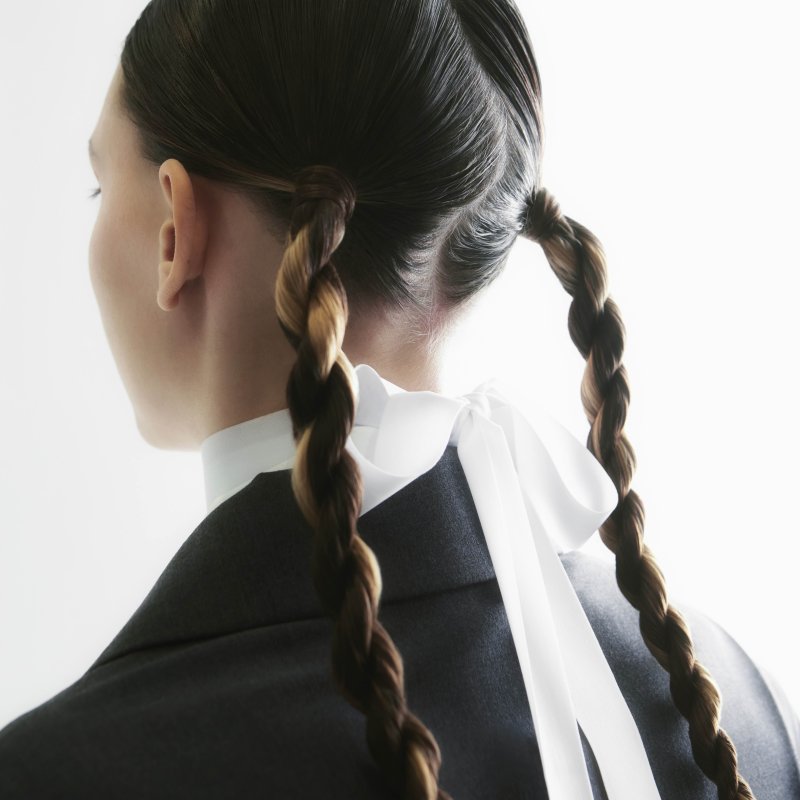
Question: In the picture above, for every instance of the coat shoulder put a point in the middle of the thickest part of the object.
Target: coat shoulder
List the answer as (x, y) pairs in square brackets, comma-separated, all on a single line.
[(755, 713), (28, 742)]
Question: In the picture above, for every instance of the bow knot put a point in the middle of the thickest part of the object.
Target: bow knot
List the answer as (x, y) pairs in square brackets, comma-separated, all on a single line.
[(475, 402), (538, 491)]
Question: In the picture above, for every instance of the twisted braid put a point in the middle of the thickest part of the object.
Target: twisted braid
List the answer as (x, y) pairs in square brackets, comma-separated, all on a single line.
[(312, 310), (596, 328)]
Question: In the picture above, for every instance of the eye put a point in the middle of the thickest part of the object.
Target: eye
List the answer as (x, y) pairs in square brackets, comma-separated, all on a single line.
[(94, 193)]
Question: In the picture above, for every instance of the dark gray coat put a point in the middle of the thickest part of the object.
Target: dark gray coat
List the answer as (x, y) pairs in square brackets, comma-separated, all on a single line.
[(218, 686)]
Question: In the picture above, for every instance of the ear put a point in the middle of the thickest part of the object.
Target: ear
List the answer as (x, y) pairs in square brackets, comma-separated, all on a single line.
[(183, 236)]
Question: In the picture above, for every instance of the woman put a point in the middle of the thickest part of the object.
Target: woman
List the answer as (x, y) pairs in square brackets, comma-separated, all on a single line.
[(290, 189)]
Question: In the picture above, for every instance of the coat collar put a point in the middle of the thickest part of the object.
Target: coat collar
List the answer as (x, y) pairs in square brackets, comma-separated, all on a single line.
[(247, 564)]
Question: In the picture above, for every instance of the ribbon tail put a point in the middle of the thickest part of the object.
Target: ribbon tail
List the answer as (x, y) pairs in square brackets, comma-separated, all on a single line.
[(490, 473), (585, 501), (600, 705)]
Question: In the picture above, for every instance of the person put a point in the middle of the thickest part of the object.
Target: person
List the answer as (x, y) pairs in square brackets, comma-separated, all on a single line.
[(289, 190)]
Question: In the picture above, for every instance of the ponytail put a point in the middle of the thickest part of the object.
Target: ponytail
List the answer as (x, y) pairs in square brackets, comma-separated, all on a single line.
[(595, 326), (312, 310)]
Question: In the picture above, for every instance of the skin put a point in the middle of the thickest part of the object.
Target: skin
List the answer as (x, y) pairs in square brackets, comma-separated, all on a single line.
[(183, 271)]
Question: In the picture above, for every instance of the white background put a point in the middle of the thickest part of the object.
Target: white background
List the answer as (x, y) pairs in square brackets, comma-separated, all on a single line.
[(671, 133)]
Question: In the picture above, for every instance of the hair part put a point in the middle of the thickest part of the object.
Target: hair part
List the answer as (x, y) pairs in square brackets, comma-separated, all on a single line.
[(404, 138)]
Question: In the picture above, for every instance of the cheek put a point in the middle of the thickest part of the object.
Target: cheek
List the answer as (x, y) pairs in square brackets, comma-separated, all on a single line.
[(107, 274), (123, 267), (97, 255), (105, 269), (118, 272)]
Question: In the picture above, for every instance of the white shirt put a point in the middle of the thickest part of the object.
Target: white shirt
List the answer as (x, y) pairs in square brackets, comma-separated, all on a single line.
[(538, 491)]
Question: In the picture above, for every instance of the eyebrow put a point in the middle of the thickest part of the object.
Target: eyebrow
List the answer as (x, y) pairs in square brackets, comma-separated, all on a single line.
[(92, 152)]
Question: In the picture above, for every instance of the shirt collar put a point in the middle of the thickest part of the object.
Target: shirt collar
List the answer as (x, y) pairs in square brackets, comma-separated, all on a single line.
[(233, 456)]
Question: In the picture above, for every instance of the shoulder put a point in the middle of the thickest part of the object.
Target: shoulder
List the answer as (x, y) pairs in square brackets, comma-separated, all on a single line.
[(218, 717), (788, 714), (31, 747), (755, 713)]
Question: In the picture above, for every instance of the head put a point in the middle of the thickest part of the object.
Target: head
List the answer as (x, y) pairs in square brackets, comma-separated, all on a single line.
[(184, 270), (291, 188)]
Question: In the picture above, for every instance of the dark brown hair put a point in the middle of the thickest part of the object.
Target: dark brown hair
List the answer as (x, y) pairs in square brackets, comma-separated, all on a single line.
[(406, 137)]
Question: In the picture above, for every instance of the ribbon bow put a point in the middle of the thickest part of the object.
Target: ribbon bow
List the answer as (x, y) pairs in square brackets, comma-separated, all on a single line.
[(538, 491)]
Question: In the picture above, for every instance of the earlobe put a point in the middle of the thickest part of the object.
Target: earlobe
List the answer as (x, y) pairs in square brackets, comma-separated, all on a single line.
[(181, 238)]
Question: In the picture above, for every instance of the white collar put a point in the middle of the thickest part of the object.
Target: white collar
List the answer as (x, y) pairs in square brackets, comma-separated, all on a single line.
[(233, 456), (538, 491)]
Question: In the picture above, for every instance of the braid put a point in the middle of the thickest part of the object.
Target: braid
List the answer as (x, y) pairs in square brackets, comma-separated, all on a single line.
[(312, 310), (596, 328)]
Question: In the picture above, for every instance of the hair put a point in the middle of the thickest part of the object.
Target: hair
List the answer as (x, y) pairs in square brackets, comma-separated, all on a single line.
[(405, 136)]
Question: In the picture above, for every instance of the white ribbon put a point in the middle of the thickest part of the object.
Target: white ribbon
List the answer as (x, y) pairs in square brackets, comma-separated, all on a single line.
[(538, 491)]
